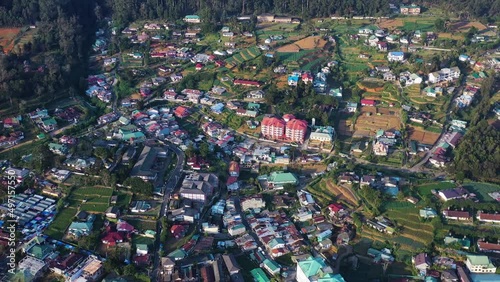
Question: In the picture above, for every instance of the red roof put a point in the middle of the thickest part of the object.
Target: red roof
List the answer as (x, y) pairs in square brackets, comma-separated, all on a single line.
[(272, 121), (124, 226), (368, 102), (488, 246), (234, 167), (112, 238), (231, 180), (288, 117), (141, 260), (181, 112), (489, 216), (297, 124), (247, 82), (177, 230), (335, 207)]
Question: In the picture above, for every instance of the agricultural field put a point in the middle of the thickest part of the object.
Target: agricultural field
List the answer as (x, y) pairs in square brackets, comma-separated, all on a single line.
[(7, 36), (326, 192), (308, 43), (129, 62), (243, 56), (372, 119), (422, 136)]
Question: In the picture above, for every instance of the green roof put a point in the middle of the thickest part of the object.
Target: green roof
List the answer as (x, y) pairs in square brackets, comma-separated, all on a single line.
[(142, 247), (480, 260), (259, 275), (41, 136), (150, 232), (282, 178), (49, 121), (137, 135), (276, 241), (465, 243), (271, 264), (332, 278), (192, 17), (177, 254), (40, 251), (312, 266)]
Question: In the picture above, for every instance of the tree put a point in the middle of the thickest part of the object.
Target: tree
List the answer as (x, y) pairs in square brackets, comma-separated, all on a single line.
[(129, 270), (204, 150), (439, 24)]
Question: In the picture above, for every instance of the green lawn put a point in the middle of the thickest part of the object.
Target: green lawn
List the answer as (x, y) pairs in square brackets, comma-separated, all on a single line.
[(425, 189), (123, 199), (142, 225), (61, 222), (96, 199), (482, 189)]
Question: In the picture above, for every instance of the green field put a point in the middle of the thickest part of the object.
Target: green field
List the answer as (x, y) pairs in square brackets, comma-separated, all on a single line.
[(142, 225), (243, 56), (418, 25), (289, 57), (61, 222), (482, 189), (425, 189)]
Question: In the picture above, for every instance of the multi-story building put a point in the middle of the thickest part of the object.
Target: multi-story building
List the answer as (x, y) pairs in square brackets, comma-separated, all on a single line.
[(296, 130), (480, 264), (410, 9), (446, 74), (199, 186), (255, 202), (273, 127)]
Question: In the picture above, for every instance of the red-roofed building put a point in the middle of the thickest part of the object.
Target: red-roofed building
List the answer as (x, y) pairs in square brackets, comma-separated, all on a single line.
[(170, 94), (181, 112), (488, 247), (273, 128), (234, 169), (219, 63), (307, 77), (112, 238), (123, 226), (246, 82), (368, 102), (488, 217), (142, 260), (288, 117), (457, 215), (199, 66), (335, 208), (177, 231), (296, 130)]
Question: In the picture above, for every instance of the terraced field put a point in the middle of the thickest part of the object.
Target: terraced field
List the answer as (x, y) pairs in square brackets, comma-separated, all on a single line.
[(243, 56)]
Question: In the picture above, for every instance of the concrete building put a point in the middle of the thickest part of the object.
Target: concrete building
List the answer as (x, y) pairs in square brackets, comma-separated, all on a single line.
[(480, 264), (144, 167)]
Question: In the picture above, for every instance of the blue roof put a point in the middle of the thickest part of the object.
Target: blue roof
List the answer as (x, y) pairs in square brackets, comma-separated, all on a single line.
[(397, 53), (293, 78)]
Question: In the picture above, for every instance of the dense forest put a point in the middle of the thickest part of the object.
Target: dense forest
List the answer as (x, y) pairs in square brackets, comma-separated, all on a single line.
[(125, 11), (477, 156), (64, 35)]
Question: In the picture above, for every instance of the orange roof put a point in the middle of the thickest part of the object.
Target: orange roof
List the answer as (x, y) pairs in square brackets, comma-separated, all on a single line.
[(297, 124), (273, 121)]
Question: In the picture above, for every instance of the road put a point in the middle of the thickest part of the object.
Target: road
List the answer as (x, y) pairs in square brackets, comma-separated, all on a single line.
[(170, 184)]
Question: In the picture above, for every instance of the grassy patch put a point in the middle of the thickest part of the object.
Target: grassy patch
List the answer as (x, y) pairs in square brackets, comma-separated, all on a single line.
[(61, 222), (425, 189), (142, 225), (482, 189)]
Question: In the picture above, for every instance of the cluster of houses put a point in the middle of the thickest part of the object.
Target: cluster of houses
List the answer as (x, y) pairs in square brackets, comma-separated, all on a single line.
[(448, 142), (388, 184), (101, 87), (43, 120), (383, 141)]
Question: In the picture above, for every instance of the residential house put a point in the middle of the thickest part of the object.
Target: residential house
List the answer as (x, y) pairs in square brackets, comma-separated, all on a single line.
[(92, 269), (427, 213), (479, 264), (446, 74), (485, 246), (453, 194), (79, 229), (59, 149), (368, 103), (457, 215), (409, 9), (315, 269), (30, 268), (488, 217), (422, 262), (271, 267), (396, 56), (231, 264), (113, 212), (192, 19), (255, 202)]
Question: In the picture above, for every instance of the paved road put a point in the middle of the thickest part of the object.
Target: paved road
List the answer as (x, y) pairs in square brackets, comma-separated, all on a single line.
[(170, 184)]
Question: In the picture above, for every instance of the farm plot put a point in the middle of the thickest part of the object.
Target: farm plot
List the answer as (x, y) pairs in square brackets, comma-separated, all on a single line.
[(482, 190), (243, 56), (464, 26), (391, 23), (308, 43), (61, 222), (372, 119), (422, 136), (344, 127), (425, 189), (7, 36)]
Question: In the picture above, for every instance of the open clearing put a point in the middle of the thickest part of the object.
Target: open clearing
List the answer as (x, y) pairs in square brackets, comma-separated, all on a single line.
[(390, 23), (308, 43), (422, 136), (7, 36), (463, 26), (372, 119)]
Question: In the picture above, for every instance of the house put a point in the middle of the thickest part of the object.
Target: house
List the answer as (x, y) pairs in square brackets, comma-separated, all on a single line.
[(112, 238), (427, 213), (59, 149), (409, 9), (92, 269), (380, 149), (485, 246), (277, 180), (123, 226), (145, 168), (113, 212), (255, 94), (293, 80), (192, 19), (178, 231), (396, 56), (464, 243), (488, 217), (479, 264), (445, 74), (351, 107), (368, 103), (141, 249), (30, 268), (422, 262), (255, 202), (315, 269), (79, 229), (453, 194), (457, 215), (181, 112), (231, 264), (234, 169), (271, 267)]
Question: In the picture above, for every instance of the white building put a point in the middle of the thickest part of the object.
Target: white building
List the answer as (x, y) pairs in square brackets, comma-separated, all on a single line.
[(31, 267), (252, 203), (480, 264), (322, 134), (396, 56), (446, 74)]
